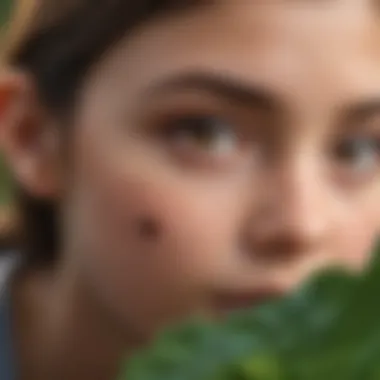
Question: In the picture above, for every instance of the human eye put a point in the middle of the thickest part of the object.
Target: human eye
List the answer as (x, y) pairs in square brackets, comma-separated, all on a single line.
[(358, 155), (206, 134), (203, 134)]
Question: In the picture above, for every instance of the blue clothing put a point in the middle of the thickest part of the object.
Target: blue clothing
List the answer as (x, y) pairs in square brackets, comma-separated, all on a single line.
[(7, 369), (6, 356)]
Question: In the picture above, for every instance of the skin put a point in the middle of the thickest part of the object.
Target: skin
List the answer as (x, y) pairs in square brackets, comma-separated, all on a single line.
[(158, 226)]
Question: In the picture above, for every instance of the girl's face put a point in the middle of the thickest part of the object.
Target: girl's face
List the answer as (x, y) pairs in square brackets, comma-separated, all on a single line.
[(221, 155)]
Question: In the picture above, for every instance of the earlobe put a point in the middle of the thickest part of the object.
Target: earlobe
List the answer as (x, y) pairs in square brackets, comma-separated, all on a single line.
[(5, 94), (27, 137), (10, 84)]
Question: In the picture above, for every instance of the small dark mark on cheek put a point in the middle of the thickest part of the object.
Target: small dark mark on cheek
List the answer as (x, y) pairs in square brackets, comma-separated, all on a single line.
[(149, 228)]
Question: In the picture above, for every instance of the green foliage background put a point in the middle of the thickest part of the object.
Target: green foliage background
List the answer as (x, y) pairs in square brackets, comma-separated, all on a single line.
[(5, 182), (5, 6)]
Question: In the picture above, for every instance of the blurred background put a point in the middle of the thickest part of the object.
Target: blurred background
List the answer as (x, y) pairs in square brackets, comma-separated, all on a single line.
[(6, 198)]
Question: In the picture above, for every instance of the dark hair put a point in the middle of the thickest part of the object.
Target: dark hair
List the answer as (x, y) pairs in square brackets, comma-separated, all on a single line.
[(57, 53)]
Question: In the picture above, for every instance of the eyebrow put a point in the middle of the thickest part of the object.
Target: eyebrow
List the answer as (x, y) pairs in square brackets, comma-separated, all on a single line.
[(246, 94), (364, 109), (221, 85)]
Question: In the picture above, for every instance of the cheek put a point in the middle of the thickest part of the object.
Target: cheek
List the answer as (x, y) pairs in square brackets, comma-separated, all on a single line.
[(151, 239), (164, 232)]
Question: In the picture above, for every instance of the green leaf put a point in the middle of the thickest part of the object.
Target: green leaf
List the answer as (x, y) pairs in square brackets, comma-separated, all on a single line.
[(329, 328)]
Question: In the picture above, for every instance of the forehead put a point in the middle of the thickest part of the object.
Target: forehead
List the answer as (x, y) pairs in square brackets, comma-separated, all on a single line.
[(281, 43)]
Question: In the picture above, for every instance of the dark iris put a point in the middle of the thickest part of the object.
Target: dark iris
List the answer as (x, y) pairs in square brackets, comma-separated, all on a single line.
[(358, 151)]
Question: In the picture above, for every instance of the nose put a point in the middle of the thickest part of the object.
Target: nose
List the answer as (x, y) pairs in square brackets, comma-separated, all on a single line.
[(292, 214)]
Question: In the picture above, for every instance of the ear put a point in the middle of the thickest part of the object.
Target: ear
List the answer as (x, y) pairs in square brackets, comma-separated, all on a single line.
[(28, 137)]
